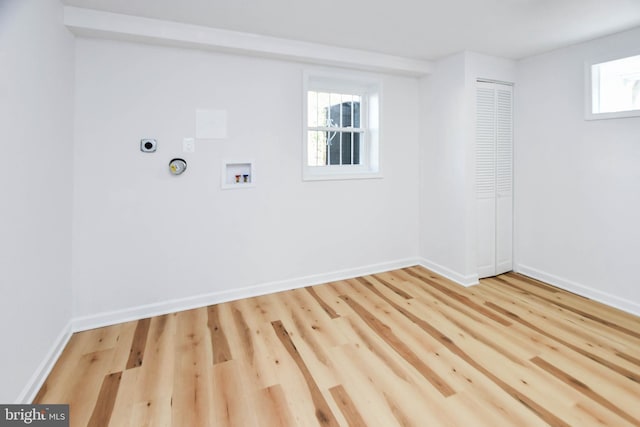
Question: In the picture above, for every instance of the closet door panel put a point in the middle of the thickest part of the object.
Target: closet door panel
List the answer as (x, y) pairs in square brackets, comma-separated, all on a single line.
[(485, 180), (504, 179), (504, 232), (486, 239)]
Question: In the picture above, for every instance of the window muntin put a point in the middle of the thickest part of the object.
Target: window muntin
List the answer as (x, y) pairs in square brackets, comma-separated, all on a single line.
[(341, 126), (615, 88)]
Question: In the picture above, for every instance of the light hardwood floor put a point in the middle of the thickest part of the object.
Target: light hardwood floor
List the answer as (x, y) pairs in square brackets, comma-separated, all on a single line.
[(402, 348)]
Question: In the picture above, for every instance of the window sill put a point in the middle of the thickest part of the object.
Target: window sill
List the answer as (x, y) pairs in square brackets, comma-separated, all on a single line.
[(340, 176), (612, 115)]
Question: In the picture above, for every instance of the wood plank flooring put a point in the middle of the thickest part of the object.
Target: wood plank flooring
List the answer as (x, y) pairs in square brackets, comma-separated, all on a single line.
[(401, 348)]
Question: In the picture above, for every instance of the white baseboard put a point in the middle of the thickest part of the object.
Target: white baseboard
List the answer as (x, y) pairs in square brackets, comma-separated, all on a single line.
[(203, 300), (40, 375), (466, 281), (585, 291)]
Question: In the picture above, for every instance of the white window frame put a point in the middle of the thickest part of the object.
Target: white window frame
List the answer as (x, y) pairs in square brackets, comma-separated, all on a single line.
[(369, 89), (591, 89)]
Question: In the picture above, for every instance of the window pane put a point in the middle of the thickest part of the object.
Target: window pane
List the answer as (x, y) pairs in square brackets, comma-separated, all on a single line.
[(343, 148), (317, 149), (324, 102), (312, 109), (333, 141), (336, 115), (347, 146), (616, 85), (333, 110), (335, 101), (357, 137), (351, 148), (356, 111), (346, 113)]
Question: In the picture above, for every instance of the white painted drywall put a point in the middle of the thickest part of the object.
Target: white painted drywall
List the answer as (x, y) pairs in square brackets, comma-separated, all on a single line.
[(444, 147), (36, 133), (142, 236), (447, 144), (95, 23), (577, 182)]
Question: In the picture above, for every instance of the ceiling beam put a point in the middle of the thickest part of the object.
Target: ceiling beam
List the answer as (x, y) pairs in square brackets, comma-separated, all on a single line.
[(93, 23)]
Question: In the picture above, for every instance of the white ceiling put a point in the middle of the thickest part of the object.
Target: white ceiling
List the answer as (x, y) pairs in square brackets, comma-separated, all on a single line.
[(421, 29)]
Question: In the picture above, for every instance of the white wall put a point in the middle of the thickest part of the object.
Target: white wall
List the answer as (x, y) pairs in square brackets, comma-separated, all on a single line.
[(36, 109), (444, 148), (447, 196), (577, 182), (142, 236)]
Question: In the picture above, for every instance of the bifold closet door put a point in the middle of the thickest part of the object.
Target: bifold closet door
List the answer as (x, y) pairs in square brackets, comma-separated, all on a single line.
[(494, 178)]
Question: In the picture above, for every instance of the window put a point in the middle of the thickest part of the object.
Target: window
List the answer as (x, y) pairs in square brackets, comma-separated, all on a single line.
[(615, 88), (341, 122), (334, 131)]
